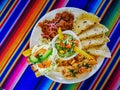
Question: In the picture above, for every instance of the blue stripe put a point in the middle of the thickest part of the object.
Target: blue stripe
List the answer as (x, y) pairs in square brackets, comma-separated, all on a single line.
[(77, 4), (55, 86), (7, 9), (44, 84), (45, 9), (103, 7), (93, 6), (2, 4), (7, 27), (111, 45), (115, 58), (108, 70), (27, 81), (21, 47), (14, 57)]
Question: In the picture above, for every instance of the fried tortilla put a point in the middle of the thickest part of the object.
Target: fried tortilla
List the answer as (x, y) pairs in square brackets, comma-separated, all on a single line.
[(102, 50), (96, 30), (95, 41), (84, 21)]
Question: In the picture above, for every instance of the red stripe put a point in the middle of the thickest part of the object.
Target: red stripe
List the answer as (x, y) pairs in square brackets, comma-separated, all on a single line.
[(107, 9), (113, 27), (16, 73), (99, 6), (105, 66), (8, 14), (13, 35), (5, 6), (51, 86), (60, 85), (114, 78)]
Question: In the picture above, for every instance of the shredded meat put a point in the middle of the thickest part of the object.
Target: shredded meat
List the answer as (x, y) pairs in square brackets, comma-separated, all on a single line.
[(75, 66), (63, 20)]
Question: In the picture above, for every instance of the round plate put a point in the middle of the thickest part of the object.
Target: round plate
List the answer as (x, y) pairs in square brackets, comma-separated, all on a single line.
[(36, 38)]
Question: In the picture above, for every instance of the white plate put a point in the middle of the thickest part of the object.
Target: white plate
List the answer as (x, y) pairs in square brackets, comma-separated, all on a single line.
[(36, 38)]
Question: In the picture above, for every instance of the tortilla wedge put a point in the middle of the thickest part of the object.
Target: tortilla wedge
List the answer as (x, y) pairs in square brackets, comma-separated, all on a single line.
[(84, 21), (102, 50), (95, 41), (96, 30)]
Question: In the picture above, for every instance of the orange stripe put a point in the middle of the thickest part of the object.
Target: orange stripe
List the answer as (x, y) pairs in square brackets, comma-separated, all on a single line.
[(105, 69), (25, 35), (29, 19), (5, 77), (23, 39), (110, 74)]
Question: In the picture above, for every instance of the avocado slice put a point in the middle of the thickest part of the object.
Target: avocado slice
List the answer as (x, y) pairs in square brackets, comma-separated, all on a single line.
[(45, 56)]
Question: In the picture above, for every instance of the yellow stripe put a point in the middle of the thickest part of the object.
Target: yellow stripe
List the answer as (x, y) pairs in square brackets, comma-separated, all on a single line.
[(58, 88), (8, 12), (13, 64), (106, 9), (6, 57), (100, 7), (51, 5), (51, 86), (20, 44), (103, 72), (110, 71), (5, 7)]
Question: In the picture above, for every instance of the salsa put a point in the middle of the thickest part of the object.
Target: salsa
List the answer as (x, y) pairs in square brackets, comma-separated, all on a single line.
[(65, 47)]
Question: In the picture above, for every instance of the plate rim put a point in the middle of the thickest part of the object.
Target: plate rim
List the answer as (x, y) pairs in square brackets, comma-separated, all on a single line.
[(30, 45)]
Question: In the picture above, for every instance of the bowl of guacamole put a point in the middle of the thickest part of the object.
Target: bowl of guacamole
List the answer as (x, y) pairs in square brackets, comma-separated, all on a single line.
[(65, 46)]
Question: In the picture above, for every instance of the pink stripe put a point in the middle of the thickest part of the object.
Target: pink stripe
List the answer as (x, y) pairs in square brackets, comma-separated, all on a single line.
[(61, 3), (16, 74), (116, 81)]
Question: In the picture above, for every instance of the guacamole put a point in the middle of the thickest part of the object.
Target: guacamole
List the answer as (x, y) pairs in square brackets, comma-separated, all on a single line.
[(66, 45)]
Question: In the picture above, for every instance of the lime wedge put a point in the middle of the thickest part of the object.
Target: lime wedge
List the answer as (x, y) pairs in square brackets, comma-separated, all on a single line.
[(78, 50), (27, 52)]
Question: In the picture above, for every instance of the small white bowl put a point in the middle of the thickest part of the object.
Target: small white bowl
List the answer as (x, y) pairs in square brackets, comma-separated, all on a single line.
[(74, 36)]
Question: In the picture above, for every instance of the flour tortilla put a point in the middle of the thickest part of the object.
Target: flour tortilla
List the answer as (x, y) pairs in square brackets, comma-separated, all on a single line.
[(84, 21), (95, 41), (96, 30), (102, 50)]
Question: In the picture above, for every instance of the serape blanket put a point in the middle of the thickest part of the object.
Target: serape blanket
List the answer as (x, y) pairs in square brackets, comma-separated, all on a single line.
[(17, 19)]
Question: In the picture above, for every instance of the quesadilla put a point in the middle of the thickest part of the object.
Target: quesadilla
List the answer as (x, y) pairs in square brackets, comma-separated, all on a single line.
[(102, 50), (95, 41), (85, 21), (96, 30)]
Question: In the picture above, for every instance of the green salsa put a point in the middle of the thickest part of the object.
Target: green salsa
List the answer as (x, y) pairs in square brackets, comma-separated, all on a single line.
[(66, 45)]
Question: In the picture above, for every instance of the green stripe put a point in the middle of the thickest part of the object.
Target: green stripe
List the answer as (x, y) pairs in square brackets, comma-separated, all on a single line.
[(111, 16), (117, 61), (69, 86)]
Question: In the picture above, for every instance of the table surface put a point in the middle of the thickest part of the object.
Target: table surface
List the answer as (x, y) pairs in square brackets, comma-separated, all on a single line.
[(17, 20)]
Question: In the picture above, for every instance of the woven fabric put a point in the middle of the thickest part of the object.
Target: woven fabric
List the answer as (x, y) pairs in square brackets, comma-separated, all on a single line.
[(17, 19)]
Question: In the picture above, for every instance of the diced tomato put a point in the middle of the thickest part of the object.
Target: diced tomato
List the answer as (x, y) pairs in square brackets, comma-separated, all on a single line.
[(68, 46), (76, 42)]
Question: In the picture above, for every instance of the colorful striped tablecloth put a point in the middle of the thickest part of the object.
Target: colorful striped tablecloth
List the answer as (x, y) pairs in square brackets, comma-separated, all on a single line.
[(17, 19)]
